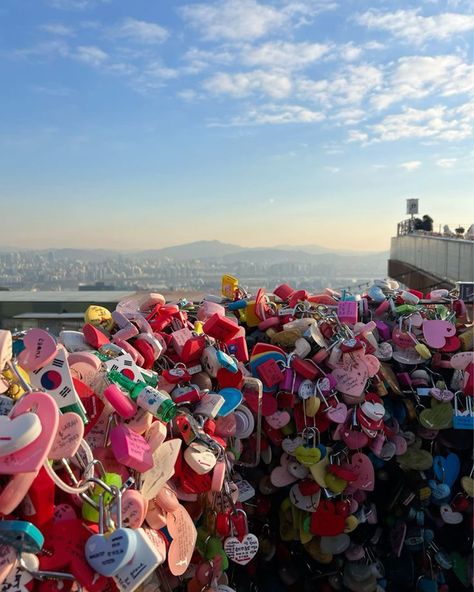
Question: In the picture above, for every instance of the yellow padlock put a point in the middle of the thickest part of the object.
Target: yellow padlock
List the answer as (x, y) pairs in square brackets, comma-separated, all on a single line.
[(229, 286), (251, 318)]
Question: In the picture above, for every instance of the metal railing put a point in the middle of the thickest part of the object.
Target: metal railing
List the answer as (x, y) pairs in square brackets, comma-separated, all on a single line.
[(409, 226)]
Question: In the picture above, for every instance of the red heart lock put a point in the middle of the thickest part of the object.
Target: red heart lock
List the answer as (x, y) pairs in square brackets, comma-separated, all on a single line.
[(343, 508), (345, 472), (308, 487), (453, 344), (325, 521), (38, 506), (275, 436), (92, 404)]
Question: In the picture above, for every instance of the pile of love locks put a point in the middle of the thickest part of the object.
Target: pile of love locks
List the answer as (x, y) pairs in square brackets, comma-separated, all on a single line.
[(268, 442)]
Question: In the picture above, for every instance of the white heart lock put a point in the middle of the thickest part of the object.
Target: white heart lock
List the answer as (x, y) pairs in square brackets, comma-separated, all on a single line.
[(243, 551), (17, 433), (200, 458)]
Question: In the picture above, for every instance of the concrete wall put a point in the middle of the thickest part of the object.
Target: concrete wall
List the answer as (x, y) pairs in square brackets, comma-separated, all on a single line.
[(451, 260)]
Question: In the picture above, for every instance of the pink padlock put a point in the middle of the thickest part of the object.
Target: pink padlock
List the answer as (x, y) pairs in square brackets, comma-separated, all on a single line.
[(347, 311), (131, 449)]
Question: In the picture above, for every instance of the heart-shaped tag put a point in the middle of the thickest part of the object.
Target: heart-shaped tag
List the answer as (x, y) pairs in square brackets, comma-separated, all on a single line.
[(435, 332), (307, 456), (401, 339), (354, 439), (68, 437), (448, 516), (184, 534), (442, 395), (40, 349), (108, 554), (439, 417), (134, 508), (297, 470), (439, 491), (31, 457), (280, 477), (337, 413), (290, 445), (200, 458), (447, 468), (278, 420), (241, 552), (17, 433), (374, 411), (351, 380), (318, 471), (415, 459), (364, 469), (461, 360), (307, 503)]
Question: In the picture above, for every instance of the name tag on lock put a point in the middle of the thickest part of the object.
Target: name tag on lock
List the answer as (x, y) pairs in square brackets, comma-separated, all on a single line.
[(210, 405)]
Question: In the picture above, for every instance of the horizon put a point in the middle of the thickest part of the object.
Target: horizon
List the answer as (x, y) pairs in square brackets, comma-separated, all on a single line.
[(142, 126)]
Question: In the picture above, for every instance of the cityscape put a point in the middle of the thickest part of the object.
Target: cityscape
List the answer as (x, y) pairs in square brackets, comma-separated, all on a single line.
[(196, 266)]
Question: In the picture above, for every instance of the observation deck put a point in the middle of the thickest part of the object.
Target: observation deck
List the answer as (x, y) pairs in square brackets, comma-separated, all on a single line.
[(428, 260)]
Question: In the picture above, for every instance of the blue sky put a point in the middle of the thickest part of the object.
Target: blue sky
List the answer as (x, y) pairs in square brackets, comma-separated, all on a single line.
[(150, 123)]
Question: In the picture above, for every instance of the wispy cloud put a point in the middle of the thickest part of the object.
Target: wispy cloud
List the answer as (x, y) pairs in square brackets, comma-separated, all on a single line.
[(138, 31), (89, 54), (273, 84), (411, 165), (57, 29), (411, 26), (446, 163), (272, 114), (241, 20)]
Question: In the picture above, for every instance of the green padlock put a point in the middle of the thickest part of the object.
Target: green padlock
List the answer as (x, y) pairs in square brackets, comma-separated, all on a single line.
[(89, 513)]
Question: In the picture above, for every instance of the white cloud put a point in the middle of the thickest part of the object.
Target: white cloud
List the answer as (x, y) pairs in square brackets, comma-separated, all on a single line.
[(240, 20), (357, 136), (285, 55), (187, 94), (89, 54), (414, 28), (349, 52), (446, 163), (57, 29), (198, 60), (435, 123), (141, 31), (416, 77), (272, 114), (332, 169), (411, 165), (242, 84), (233, 19), (349, 86), (349, 116), (47, 49)]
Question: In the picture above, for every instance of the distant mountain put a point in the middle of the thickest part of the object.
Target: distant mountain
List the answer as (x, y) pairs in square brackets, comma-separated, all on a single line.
[(196, 250)]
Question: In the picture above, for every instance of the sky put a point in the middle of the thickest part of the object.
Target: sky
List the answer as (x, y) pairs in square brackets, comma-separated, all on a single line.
[(148, 123)]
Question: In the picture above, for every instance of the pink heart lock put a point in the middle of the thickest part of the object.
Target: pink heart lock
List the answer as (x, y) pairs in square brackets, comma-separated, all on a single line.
[(443, 395), (40, 349), (278, 420), (436, 331), (461, 360), (351, 380), (134, 509), (337, 412), (6, 353), (68, 437), (373, 410), (18, 432), (25, 464), (354, 439), (362, 465)]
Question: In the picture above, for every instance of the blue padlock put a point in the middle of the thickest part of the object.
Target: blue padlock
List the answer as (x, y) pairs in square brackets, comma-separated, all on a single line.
[(22, 536)]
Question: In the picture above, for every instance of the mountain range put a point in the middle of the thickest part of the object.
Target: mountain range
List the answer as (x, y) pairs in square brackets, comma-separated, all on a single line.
[(217, 250)]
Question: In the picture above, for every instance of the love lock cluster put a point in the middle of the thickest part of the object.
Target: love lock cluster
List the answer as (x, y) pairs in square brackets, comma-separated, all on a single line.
[(268, 442)]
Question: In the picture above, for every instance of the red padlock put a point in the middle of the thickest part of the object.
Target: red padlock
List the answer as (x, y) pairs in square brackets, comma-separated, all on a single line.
[(221, 328)]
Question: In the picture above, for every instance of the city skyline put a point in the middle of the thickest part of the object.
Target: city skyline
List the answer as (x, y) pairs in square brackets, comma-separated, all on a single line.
[(260, 123)]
